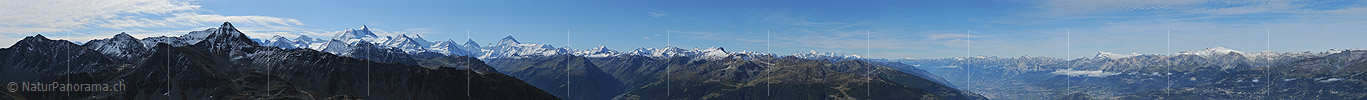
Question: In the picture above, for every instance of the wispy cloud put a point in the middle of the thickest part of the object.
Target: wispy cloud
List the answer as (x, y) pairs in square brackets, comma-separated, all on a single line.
[(658, 14), (708, 35), (192, 18), (412, 31), (948, 36), (695, 34), (91, 19), (1141, 26), (1172, 7), (847, 36), (786, 17), (29, 16), (1084, 7), (853, 40)]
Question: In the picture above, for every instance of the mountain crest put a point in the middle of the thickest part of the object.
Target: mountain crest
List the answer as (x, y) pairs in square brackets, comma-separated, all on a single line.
[(228, 29), (508, 40), (278, 37), (335, 46), (1103, 54), (122, 47), (716, 49), (32, 39), (227, 25), (672, 48), (813, 54), (226, 33), (596, 52), (303, 37), (1217, 50), (600, 48), (39, 36), (123, 35), (350, 34), (472, 47), (471, 42), (449, 47), (450, 41), (365, 44)]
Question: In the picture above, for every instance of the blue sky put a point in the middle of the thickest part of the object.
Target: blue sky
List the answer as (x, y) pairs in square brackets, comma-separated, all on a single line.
[(895, 28)]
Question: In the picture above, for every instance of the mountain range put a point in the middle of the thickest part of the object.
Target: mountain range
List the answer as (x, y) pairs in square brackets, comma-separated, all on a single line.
[(600, 73), (223, 63), (1212, 73)]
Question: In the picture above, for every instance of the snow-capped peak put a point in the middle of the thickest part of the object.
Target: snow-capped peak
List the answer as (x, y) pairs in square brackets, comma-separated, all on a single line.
[(1336, 50), (1103, 54), (407, 44), (420, 40), (472, 45), (122, 46), (508, 40), (449, 47), (812, 54), (349, 34), (303, 37), (123, 35), (226, 34), (35, 37), (364, 28), (600, 51), (510, 48), (346, 39), (671, 51), (1218, 50), (279, 38), (650, 52), (715, 49), (471, 42), (713, 53), (445, 43), (335, 46), (281, 41), (227, 25), (600, 48)]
